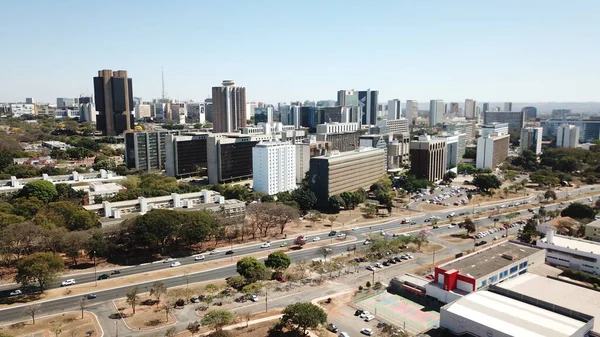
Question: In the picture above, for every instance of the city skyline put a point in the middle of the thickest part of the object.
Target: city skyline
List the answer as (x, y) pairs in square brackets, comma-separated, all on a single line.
[(220, 45)]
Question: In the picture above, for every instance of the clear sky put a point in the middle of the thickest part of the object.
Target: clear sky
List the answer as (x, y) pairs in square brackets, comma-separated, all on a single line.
[(283, 50)]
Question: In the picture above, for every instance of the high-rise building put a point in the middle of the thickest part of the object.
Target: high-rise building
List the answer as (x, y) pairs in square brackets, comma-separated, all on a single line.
[(185, 154), (305, 151), (515, 119), (338, 172), (250, 109), (29, 100), (114, 102), (398, 151), (229, 107), (560, 113), (492, 151), (367, 101), (208, 109), (346, 98), (508, 106), (263, 115), (494, 129), (428, 158), (436, 112), (136, 100), (142, 111), (394, 109), (274, 167), (326, 103), (567, 136), (531, 139), (308, 117), (486, 107), (147, 150), (294, 117), (454, 109), (530, 112), (470, 109), (64, 102), (87, 112), (411, 112)]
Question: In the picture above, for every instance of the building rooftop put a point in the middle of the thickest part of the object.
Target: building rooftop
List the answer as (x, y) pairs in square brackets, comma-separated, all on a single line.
[(513, 317), (594, 224), (339, 156), (487, 261), (559, 293), (573, 243)]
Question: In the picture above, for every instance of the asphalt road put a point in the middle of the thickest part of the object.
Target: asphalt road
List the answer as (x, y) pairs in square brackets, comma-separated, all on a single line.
[(70, 303)]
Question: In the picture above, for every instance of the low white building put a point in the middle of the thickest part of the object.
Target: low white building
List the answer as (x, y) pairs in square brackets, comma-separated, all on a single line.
[(328, 128), (20, 109), (274, 167), (103, 190), (572, 253)]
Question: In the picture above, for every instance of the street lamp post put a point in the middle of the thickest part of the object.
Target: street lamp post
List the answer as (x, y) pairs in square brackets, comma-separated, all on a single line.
[(373, 277), (266, 299), (95, 278)]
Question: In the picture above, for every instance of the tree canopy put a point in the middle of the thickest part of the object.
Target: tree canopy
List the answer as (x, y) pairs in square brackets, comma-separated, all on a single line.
[(486, 182), (305, 315), (578, 210), (252, 269), (40, 268), (40, 189), (278, 260)]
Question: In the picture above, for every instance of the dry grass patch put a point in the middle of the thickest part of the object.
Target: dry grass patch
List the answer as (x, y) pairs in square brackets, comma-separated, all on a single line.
[(432, 207), (147, 314), (69, 324), (431, 247), (456, 238)]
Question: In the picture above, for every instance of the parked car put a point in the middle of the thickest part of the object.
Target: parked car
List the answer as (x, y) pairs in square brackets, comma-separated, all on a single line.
[(366, 331), (331, 327), (253, 298), (369, 318), (16, 293), (358, 312), (68, 282), (116, 272), (378, 265), (385, 263), (364, 314), (370, 268), (195, 299)]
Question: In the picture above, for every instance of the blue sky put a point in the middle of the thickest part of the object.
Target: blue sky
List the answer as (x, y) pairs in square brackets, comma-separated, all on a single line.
[(282, 50)]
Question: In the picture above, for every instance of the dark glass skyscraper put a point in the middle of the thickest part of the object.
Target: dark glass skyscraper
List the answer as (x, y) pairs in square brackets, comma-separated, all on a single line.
[(114, 102), (367, 101)]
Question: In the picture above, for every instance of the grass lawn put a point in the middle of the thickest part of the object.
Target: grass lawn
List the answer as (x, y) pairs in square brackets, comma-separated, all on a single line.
[(147, 315), (70, 324)]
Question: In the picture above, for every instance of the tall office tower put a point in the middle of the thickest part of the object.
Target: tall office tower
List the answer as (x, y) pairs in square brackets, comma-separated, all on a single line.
[(29, 100), (531, 139), (436, 112), (486, 107), (367, 101), (264, 115), (63, 102), (114, 102), (87, 112), (428, 158), (411, 112), (492, 150), (508, 106), (394, 109), (229, 107), (294, 116), (567, 136), (208, 106), (346, 98), (454, 109), (470, 109), (560, 113), (274, 167), (308, 117), (326, 103), (136, 100), (250, 109), (530, 112), (284, 113)]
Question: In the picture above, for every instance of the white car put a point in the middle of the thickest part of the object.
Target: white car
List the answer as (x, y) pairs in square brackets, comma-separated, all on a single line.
[(370, 268), (316, 238), (369, 318), (253, 298), (176, 264), (16, 293), (169, 260), (382, 233), (364, 314), (450, 226), (215, 252), (199, 257), (367, 242), (366, 331), (265, 245), (355, 228), (378, 265), (344, 334), (341, 235), (68, 282)]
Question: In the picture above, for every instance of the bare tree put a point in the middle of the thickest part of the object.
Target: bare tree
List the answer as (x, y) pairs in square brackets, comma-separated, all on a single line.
[(325, 251), (132, 297), (158, 289), (32, 310), (171, 332), (82, 305), (193, 327), (57, 329), (167, 307), (247, 316)]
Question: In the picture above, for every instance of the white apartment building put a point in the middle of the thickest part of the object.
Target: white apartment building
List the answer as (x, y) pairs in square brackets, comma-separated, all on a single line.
[(470, 111), (491, 151), (567, 136), (531, 139), (573, 253), (274, 167), (20, 109), (436, 111), (394, 109), (411, 112), (493, 129), (328, 128)]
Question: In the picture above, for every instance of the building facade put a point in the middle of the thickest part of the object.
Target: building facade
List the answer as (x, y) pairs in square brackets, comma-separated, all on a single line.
[(274, 167), (394, 109), (114, 102), (531, 139), (530, 112), (398, 151), (264, 115), (338, 172), (229, 107), (508, 106), (470, 106), (567, 136), (305, 151), (573, 253), (344, 141), (493, 129), (436, 112), (337, 127), (185, 155), (589, 128), (515, 119), (428, 158), (20, 109), (411, 112), (367, 102), (492, 151)]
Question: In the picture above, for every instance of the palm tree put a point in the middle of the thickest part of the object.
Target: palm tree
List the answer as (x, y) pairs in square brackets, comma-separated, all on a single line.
[(132, 297)]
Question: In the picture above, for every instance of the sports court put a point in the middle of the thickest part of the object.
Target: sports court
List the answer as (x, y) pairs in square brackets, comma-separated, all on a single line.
[(400, 311)]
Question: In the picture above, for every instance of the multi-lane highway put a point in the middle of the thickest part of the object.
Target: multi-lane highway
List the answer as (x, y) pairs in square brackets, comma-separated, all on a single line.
[(72, 302)]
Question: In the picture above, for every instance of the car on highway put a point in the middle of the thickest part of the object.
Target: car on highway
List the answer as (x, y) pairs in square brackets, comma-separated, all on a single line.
[(367, 242), (103, 277), (176, 264), (344, 334), (366, 331), (332, 233), (115, 272), (199, 257), (316, 238), (16, 293), (341, 235), (91, 296), (169, 260), (382, 232), (253, 298), (68, 282), (369, 318), (229, 252), (215, 252), (354, 228), (451, 225), (265, 245)]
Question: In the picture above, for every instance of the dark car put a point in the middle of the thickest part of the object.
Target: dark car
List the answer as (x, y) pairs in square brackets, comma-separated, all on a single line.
[(332, 233), (381, 324), (103, 277), (358, 312), (332, 327), (116, 272), (226, 292), (385, 263), (392, 261), (397, 259), (435, 227), (91, 296), (229, 252)]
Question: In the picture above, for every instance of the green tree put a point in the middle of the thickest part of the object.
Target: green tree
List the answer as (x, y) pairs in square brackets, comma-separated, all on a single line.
[(550, 194), (578, 210), (41, 189), (486, 182), (529, 231), (132, 297), (305, 315), (336, 202), (217, 319), (40, 268), (252, 269), (448, 177), (304, 197), (158, 289), (27, 207), (349, 199), (196, 227), (469, 225), (278, 260)]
